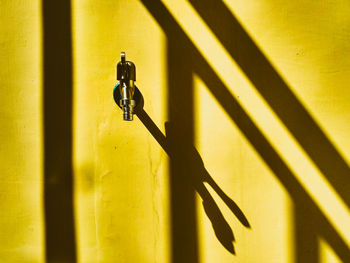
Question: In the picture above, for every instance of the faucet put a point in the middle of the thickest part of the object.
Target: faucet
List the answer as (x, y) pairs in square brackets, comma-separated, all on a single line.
[(126, 74)]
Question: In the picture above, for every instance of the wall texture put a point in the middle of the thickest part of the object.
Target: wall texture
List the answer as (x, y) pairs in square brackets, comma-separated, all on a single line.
[(241, 153)]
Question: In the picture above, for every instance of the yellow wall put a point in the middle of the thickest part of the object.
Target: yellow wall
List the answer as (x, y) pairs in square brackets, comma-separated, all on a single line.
[(21, 232), (253, 94)]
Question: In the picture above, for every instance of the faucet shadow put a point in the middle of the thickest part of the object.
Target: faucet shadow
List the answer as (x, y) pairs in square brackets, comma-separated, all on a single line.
[(310, 222), (199, 176)]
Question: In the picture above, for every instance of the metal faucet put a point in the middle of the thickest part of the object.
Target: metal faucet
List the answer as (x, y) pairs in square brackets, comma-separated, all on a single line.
[(126, 74), (126, 94)]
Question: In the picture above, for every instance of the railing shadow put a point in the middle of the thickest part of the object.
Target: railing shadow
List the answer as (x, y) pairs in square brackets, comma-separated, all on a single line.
[(277, 93), (198, 176), (57, 110), (310, 221)]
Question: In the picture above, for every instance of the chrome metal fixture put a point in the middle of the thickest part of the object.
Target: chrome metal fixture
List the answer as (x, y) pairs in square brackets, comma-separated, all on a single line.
[(125, 91)]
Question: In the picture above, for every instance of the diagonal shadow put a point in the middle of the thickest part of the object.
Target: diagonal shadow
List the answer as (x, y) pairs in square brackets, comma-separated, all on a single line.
[(277, 93), (57, 111), (312, 221), (197, 179)]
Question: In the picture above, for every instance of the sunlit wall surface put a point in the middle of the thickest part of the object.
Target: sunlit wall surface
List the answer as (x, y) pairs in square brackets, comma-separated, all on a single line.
[(241, 152), (21, 222)]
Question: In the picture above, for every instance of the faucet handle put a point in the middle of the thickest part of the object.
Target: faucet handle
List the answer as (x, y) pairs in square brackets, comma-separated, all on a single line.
[(122, 57), (125, 69)]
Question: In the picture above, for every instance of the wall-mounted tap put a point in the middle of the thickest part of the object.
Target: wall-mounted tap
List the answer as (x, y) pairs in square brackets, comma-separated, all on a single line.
[(125, 93)]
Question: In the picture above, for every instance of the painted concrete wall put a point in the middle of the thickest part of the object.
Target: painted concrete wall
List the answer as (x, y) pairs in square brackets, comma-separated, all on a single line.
[(21, 223), (240, 155)]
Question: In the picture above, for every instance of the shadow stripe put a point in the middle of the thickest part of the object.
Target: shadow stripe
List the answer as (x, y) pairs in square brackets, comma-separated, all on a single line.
[(57, 107)]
